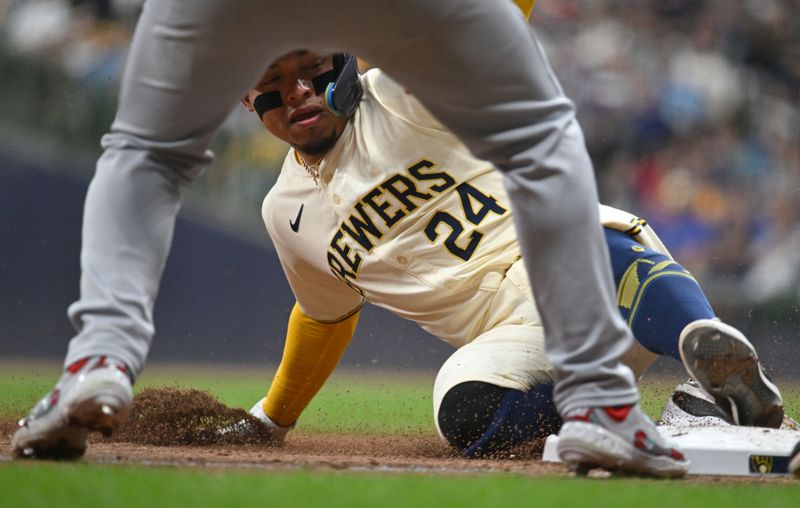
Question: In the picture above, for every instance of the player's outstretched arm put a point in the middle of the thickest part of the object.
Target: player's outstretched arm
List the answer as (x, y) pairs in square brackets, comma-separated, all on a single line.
[(311, 352)]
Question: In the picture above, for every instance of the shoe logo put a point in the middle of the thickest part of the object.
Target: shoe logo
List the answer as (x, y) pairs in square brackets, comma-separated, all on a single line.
[(641, 441), (295, 225)]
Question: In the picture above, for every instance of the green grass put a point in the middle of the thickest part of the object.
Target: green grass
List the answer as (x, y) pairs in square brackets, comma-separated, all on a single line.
[(367, 401), (351, 402), (84, 486), (375, 403)]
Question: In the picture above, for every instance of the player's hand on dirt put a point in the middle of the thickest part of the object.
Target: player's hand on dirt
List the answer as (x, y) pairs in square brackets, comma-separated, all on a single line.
[(247, 427)]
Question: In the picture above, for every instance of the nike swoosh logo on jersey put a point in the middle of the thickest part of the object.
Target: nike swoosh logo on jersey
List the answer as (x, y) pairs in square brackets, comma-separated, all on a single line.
[(295, 225)]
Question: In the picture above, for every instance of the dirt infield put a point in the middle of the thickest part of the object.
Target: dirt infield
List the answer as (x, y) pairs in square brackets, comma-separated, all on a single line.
[(179, 428)]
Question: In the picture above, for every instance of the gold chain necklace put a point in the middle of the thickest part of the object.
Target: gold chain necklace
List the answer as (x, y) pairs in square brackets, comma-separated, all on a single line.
[(311, 169)]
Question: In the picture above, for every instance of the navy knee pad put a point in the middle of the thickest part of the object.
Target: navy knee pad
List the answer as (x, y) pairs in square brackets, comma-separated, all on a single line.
[(481, 419)]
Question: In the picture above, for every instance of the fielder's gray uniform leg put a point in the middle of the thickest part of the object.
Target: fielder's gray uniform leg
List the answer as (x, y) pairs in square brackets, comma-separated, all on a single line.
[(485, 76), (476, 66), (189, 63)]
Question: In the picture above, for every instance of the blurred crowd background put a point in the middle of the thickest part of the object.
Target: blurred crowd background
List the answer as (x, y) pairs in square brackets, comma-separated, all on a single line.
[(690, 110)]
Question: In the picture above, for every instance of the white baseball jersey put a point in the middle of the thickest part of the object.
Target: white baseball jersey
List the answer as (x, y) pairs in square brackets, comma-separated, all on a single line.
[(406, 218), (403, 216)]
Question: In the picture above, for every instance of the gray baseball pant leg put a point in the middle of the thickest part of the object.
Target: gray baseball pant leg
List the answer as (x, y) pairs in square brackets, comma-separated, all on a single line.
[(476, 66), (485, 76)]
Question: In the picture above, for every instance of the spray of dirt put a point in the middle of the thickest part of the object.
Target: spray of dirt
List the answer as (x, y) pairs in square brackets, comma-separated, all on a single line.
[(186, 417)]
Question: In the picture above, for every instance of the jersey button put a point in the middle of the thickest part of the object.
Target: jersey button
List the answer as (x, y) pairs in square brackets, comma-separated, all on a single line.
[(326, 178), (402, 260), (336, 199)]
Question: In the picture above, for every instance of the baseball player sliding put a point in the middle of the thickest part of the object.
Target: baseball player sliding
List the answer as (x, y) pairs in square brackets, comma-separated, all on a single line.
[(380, 203)]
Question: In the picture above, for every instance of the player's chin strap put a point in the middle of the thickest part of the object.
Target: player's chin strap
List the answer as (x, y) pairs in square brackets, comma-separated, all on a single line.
[(341, 86)]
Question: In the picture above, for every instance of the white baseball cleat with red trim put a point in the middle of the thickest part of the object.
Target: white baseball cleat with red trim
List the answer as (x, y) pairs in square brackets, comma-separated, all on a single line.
[(93, 394), (621, 439)]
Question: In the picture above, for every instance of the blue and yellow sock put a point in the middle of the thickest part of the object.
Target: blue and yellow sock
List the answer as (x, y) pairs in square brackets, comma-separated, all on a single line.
[(657, 296)]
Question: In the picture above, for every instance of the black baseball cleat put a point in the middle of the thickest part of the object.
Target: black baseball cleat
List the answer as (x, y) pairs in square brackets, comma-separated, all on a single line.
[(725, 365), (690, 406)]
